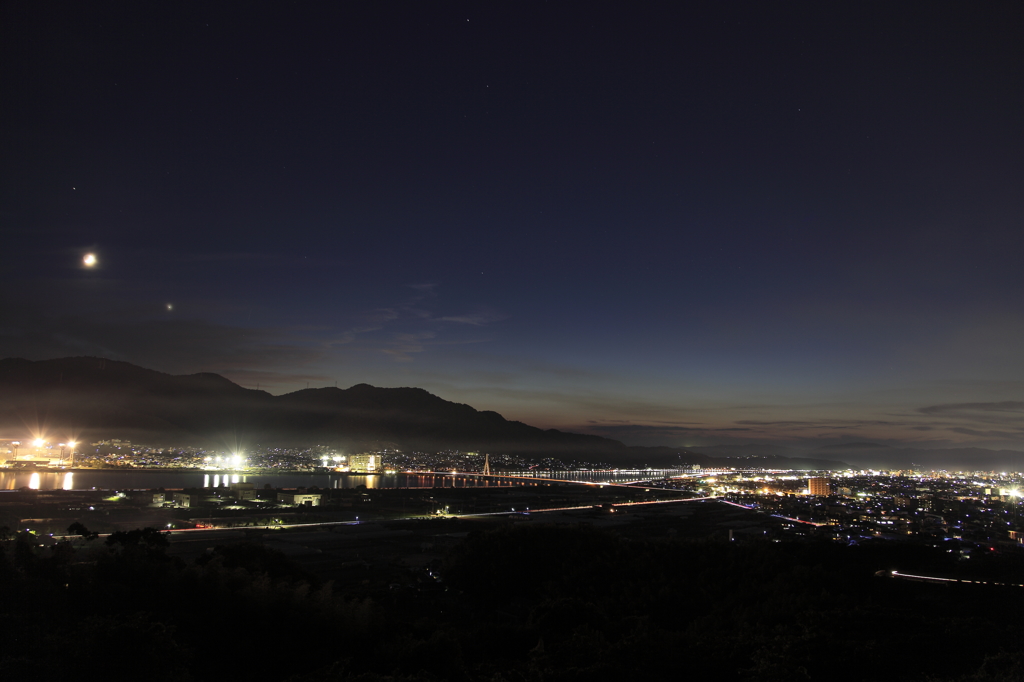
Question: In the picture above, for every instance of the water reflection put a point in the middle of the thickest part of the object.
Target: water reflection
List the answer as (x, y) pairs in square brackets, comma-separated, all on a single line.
[(225, 480), (143, 480)]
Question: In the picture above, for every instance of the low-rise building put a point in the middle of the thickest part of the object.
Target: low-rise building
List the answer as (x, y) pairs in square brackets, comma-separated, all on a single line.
[(188, 498), (299, 498), (243, 491), (152, 498)]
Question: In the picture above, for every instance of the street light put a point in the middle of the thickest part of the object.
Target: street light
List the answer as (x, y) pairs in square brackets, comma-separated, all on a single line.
[(72, 444)]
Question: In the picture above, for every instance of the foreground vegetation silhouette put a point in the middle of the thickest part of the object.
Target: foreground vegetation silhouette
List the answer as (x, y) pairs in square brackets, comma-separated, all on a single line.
[(521, 603)]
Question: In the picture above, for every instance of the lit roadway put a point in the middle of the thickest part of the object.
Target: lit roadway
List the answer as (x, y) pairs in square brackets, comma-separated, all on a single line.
[(936, 579), (508, 512), (778, 516)]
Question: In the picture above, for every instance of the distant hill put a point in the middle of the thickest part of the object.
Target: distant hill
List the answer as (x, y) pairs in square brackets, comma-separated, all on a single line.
[(94, 398), (850, 447), (767, 456), (876, 456), (747, 450)]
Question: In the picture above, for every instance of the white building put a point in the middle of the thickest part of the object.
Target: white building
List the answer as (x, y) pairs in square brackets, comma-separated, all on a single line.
[(298, 499)]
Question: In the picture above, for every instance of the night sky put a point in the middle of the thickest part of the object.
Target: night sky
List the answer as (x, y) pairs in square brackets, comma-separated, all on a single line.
[(667, 223)]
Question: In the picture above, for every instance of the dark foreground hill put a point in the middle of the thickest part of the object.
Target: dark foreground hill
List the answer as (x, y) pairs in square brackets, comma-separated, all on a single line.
[(519, 601), (94, 398)]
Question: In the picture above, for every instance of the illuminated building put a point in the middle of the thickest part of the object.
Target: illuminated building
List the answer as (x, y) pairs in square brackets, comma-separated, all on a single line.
[(152, 498), (187, 498), (367, 463), (820, 485), (243, 491), (299, 498)]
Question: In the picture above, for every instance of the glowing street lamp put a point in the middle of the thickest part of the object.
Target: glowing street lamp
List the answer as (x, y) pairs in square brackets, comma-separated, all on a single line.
[(72, 444)]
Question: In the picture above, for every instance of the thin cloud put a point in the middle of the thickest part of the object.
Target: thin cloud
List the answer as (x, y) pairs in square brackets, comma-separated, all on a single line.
[(752, 422), (1013, 406), (667, 436), (823, 423), (407, 326), (476, 319), (424, 287), (403, 346), (1007, 435), (642, 428)]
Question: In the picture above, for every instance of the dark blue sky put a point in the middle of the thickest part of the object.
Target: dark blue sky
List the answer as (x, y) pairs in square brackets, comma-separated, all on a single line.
[(718, 221)]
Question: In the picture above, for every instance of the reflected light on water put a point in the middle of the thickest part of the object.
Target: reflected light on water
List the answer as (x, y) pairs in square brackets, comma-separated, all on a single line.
[(86, 480)]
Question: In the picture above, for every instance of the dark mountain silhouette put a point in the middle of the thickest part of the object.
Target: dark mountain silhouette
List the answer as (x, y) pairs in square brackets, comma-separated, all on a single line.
[(94, 398)]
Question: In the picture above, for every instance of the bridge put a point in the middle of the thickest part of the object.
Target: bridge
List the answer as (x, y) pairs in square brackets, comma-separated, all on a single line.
[(589, 478)]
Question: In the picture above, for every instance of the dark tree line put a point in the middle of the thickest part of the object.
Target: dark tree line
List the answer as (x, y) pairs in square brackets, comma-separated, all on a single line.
[(526, 603)]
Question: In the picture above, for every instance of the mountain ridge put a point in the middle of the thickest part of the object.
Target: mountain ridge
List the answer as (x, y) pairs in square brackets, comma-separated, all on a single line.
[(95, 398)]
